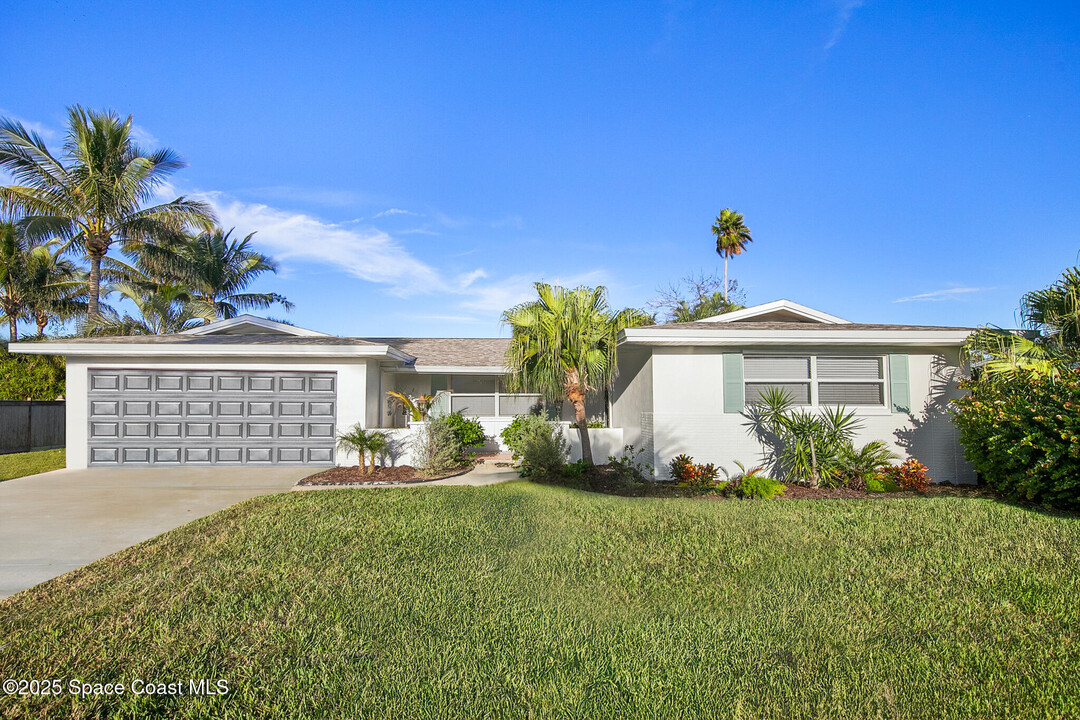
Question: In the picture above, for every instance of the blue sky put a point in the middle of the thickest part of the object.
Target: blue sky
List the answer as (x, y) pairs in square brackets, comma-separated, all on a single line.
[(416, 166)]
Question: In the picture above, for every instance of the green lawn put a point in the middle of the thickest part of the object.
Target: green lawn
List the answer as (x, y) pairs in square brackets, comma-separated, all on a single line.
[(30, 463), (521, 600)]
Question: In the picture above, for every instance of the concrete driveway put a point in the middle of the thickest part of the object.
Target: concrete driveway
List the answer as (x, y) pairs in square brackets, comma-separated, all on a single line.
[(58, 521)]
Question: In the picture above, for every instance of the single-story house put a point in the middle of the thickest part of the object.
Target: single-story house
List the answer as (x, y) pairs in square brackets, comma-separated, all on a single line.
[(250, 390)]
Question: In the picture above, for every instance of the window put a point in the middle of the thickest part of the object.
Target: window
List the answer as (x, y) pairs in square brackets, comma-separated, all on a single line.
[(821, 380)]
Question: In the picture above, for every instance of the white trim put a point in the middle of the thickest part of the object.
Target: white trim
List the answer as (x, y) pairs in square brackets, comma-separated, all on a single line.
[(264, 323), (786, 305), (136, 351), (733, 335)]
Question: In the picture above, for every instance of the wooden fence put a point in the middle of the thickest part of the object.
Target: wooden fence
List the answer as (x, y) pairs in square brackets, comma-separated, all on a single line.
[(31, 425)]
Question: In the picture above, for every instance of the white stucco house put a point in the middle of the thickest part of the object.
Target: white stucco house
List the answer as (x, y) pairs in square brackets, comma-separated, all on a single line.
[(255, 391)]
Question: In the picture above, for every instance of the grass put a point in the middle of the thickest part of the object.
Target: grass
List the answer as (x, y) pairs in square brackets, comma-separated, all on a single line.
[(522, 600), (30, 463)]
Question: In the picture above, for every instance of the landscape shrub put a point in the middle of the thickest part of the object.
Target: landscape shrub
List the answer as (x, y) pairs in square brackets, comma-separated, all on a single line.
[(853, 467), (1022, 435), (437, 448), (631, 466), (539, 446), (513, 433), (686, 473), (576, 470), (880, 483), (469, 431), (911, 475), (755, 485), (31, 377)]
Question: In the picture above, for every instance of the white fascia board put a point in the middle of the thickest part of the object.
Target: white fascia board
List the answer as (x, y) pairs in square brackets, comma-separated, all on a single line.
[(137, 350), (787, 305), (730, 336), (452, 369), (266, 324)]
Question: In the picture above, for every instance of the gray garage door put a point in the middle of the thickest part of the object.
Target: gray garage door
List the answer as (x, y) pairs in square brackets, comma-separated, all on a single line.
[(175, 417)]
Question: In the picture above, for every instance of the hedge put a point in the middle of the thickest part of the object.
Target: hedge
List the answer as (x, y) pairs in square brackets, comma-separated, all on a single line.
[(1022, 435), (30, 377)]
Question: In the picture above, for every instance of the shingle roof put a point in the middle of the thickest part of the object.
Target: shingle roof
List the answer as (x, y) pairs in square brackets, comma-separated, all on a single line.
[(215, 340), (795, 326), (450, 352)]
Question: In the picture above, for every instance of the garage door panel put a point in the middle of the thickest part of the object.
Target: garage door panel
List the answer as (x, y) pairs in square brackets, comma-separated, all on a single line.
[(146, 417)]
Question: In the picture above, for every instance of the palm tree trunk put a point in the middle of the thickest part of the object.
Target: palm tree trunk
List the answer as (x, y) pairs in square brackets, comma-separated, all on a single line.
[(725, 282), (42, 320), (94, 287), (577, 398), (13, 328)]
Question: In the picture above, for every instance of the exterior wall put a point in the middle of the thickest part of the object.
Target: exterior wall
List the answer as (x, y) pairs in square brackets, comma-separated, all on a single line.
[(352, 384), (689, 418), (632, 399)]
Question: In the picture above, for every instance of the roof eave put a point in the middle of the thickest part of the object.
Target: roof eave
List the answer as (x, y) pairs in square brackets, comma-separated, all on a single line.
[(144, 350), (729, 336)]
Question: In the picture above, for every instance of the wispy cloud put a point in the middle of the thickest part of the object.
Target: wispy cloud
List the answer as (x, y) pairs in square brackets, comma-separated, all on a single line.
[(844, 10), (144, 138), (365, 253), (47, 133), (938, 295), (397, 211), (325, 197)]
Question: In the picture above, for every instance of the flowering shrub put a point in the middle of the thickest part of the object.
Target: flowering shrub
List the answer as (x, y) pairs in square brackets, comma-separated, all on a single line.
[(686, 473), (911, 475), (1022, 435)]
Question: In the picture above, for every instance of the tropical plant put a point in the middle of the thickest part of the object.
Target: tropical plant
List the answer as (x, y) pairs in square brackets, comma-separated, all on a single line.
[(732, 237), (686, 473), (98, 193), (631, 466), (468, 430), (14, 277), (168, 309), (364, 443), (419, 408), (753, 484), (855, 466), (807, 446), (909, 475), (58, 286), (563, 345), (1050, 342), (542, 448), (215, 267)]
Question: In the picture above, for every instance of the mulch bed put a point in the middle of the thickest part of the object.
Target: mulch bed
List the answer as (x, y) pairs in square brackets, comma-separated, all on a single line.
[(398, 474)]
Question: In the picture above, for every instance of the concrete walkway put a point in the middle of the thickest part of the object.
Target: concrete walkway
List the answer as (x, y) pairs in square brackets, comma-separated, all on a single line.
[(58, 521)]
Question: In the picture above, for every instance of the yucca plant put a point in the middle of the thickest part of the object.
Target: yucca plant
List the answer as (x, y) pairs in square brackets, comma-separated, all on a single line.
[(363, 442)]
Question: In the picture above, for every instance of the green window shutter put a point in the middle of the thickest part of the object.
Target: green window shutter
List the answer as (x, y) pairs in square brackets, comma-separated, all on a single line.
[(734, 391), (899, 385)]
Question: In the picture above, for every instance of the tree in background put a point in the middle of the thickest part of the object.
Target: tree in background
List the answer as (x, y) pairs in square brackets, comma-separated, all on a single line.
[(1049, 343), (168, 309), (732, 237), (215, 267), (14, 276), (99, 193), (59, 286), (563, 345), (696, 297)]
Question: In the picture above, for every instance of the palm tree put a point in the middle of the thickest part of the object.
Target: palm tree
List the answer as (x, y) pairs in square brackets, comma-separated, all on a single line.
[(363, 442), (563, 345), (168, 309), (58, 286), (732, 236), (99, 193), (1050, 341), (14, 280)]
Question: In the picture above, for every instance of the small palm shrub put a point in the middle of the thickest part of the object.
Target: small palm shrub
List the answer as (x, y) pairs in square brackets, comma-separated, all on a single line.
[(468, 430), (911, 475), (855, 466), (363, 442), (437, 448)]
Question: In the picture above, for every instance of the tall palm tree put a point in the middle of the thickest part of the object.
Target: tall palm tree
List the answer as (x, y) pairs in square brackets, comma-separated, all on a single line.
[(563, 345), (168, 309), (215, 267), (99, 193), (732, 237)]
